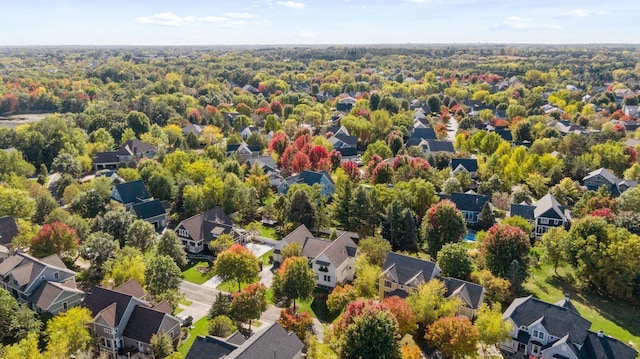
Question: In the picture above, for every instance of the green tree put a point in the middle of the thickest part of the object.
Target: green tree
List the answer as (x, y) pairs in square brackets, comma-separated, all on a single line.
[(45, 204), (68, 333), (128, 263), (379, 148), (249, 303), (442, 224), (342, 204), (365, 217), (291, 250), (430, 304), (497, 289), (138, 122), (15, 202), (236, 263), (170, 245), (16, 320), (115, 222), (98, 248), (519, 222), (65, 163), (454, 261), (25, 348), (373, 334), (221, 306), (294, 280), (455, 337), (493, 329), (367, 278), (161, 345), (222, 243), (629, 200), (555, 247), (221, 326), (301, 210), (141, 235), (375, 249), (162, 275)]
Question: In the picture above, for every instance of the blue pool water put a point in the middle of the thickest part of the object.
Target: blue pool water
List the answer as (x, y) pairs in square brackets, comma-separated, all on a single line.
[(470, 237)]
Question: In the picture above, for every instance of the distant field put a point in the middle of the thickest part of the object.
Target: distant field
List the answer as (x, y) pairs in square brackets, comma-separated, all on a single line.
[(14, 121)]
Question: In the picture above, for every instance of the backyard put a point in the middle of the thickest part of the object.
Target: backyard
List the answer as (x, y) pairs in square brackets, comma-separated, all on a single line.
[(616, 318), (199, 328), (197, 272)]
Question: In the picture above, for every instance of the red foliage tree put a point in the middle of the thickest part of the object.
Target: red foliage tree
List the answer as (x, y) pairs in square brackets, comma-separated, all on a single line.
[(316, 154), (301, 132), (286, 160), (300, 162), (383, 173), (456, 337), (354, 310), (278, 143), (503, 245), (302, 141), (405, 316), (352, 170), (276, 107), (194, 116), (335, 157), (55, 238), (298, 323)]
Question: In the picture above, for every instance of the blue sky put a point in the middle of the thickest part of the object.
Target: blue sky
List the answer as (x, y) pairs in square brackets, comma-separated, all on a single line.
[(248, 22)]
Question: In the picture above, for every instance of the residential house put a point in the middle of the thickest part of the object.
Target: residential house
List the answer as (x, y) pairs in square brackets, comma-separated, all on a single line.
[(332, 261), (566, 127), (152, 211), (504, 133), (604, 177), (123, 322), (243, 151), (272, 342), (345, 144), (130, 193), (8, 231), (247, 131), (198, 231), (469, 165), (402, 274), (130, 150), (629, 126), (192, 128), (433, 146), (45, 284), (338, 130), (345, 104), (551, 331), (545, 213), (631, 111), (309, 177), (470, 205)]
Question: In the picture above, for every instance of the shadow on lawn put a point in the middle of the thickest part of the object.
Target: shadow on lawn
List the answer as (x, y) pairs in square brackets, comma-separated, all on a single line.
[(618, 311)]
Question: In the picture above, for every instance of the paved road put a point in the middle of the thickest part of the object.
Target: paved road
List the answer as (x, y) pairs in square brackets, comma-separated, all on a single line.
[(202, 298)]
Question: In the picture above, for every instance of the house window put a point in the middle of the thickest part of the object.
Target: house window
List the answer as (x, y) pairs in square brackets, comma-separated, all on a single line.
[(103, 342), (544, 220), (108, 343), (64, 306), (108, 331), (387, 284), (171, 333), (327, 278), (182, 232), (56, 275), (535, 349)]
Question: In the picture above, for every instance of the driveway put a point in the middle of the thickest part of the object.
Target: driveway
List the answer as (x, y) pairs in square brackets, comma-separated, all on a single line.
[(201, 297)]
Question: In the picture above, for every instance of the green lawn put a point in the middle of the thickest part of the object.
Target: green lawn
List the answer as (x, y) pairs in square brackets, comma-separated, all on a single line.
[(177, 311), (616, 318), (269, 232), (232, 286), (193, 275), (265, 258), (185, 302), (200, 328), (317, 306)]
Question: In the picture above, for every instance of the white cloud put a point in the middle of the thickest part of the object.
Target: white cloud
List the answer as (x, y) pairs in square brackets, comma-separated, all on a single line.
[(306, 34), (419, 1), (171, 19), (522, 23), (240, 15), (577, 13), (291, 4)]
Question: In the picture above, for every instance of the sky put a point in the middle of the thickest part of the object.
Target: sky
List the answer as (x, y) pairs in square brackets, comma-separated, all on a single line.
[(344, 22)]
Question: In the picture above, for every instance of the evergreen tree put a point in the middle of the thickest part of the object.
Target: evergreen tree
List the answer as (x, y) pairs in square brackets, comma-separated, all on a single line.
[(486, 219), (365, 220), (393, 224), (409, 240), (342, 206)]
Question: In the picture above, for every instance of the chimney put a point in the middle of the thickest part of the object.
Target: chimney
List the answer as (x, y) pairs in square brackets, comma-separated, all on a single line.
[(600, 333)]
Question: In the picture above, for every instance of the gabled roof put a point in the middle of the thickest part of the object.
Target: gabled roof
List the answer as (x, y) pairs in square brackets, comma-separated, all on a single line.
[(265, 162), (440, 146), (523, 210), (505, 134), (131, 192), (404, 269), (196, 129), (209, 348), (471, 293), (425, 133), (202, 225), (271, 342), (350, 141), (558, 321), (8, 230), (546, 204), (46, 294), (566, 303), (313, 177), (600, 346), (340, 249), (143, 323), (470, 164), (109, 304), (469, 202), (106, 157), (25, 269), (149, 209), (610, 177), (135, 148), (132, 288)]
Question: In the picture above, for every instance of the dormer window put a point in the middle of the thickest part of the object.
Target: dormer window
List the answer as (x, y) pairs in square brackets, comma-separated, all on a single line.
[(56, 275)]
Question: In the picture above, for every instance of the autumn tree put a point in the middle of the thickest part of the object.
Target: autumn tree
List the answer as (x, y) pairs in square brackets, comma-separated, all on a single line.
[(375, 249), (403, 313), (503, 246), (455, 337), (340, 297), (497, 289), (161, 345), (249, 303), (429, 303), (236, 263), (55, 238), (372, 334), (493, 329), (68, 333), (291, 250), (298, 323), (221, 326), (442, 224), (294, 280)]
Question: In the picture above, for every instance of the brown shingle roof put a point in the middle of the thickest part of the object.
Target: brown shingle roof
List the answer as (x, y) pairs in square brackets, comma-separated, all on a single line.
[(132, 288)]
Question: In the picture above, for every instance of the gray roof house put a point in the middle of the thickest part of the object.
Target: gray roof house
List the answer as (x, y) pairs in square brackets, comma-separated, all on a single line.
[(470, 204), (8, 230), (197, 231), (402, 274), (45, 284), (332, 261), (135, 197), (551, 331), (545, 213), (270, 342), (124, 322), (604, 177), (152, 211), (192, 128), (132, 149), (469, 165)]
